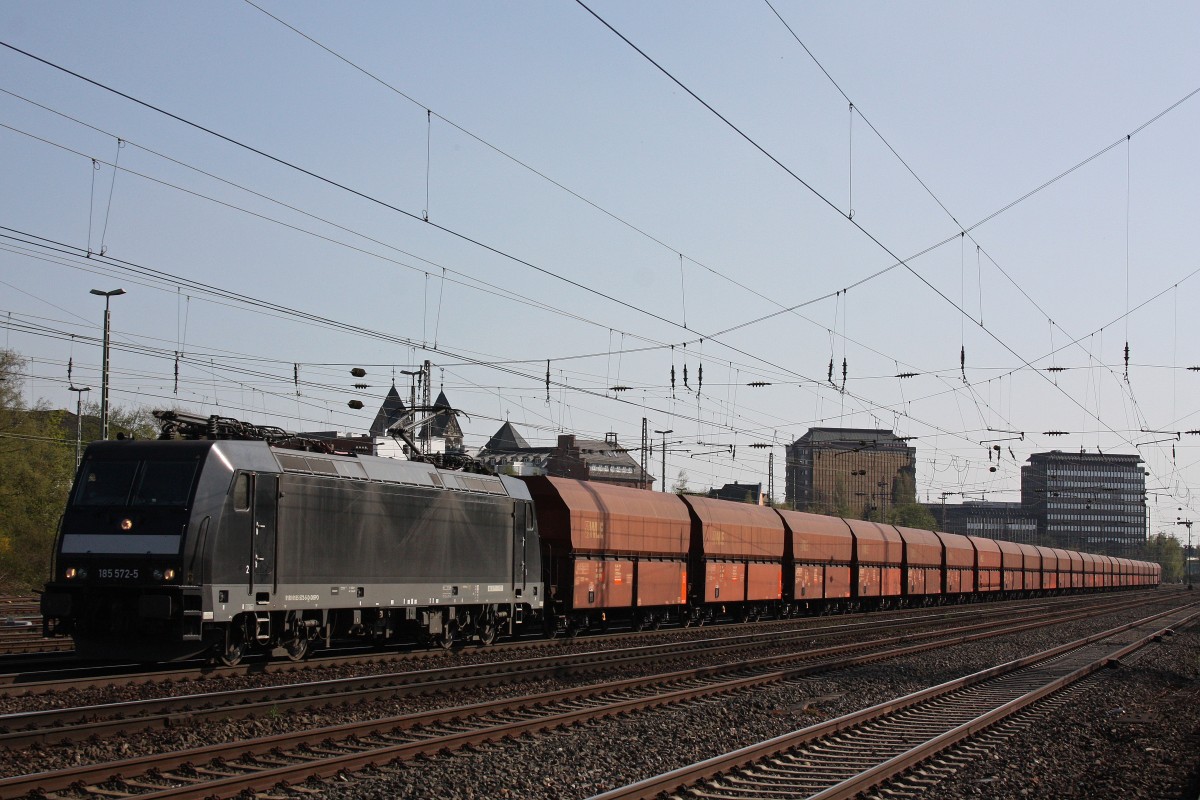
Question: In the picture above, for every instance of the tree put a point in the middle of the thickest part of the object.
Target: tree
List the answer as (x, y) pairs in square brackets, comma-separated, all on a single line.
[(1168, 553), (37, 465), (904, 487), (137, 422), (37, 462), (912, 515), (681, 483)]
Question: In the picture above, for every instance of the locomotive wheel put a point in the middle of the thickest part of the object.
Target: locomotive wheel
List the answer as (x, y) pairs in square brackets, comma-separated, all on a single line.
[(487, 630), (297, 647), (235, 648)]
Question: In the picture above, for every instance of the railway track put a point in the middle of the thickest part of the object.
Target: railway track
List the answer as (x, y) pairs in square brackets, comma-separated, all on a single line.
[(255, 764), (853, 754), (58, 673), (392, 669), (28, 641), (21, 628)]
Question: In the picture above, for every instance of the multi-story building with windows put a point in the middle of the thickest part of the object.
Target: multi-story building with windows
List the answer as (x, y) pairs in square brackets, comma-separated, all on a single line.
[(854, 472), (1009, 521), (1094, 502)]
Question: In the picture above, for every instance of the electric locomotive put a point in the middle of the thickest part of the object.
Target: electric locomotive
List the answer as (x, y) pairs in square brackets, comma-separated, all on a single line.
[(228, 543)]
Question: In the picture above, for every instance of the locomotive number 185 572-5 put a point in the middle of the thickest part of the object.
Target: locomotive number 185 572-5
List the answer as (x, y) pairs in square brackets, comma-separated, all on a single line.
[(118, 573)]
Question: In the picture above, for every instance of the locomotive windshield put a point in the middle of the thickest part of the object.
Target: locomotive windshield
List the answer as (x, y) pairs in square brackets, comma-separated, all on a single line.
[(136, 483)]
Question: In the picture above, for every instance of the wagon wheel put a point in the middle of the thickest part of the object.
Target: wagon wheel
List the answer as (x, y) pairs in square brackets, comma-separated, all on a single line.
[(297, 647)]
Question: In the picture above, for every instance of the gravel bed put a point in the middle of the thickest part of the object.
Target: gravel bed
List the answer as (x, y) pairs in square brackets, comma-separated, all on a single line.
[(587, 759), (1134, 733)]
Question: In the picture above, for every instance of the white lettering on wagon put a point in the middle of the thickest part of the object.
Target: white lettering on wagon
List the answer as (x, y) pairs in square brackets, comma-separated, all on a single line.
[(494, 587), (302, 598)]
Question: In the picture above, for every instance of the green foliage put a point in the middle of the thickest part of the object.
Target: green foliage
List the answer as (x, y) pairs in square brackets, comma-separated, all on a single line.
[(1166, 551), (904, 488), (137, 423), (912, 515), (37, 465)]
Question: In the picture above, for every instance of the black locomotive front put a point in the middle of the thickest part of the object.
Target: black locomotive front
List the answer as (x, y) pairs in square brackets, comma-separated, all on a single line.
[(120, 585)]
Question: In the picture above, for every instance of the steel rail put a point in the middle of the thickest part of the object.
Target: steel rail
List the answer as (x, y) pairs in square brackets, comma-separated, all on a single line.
[(32, 682), (88, 675), (682, 780), (73, 723), (602, 700)]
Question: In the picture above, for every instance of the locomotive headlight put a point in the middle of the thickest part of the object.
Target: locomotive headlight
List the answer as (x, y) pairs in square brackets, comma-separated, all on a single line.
[(169, 575), (70, 573), (126, 524), (158, 574)]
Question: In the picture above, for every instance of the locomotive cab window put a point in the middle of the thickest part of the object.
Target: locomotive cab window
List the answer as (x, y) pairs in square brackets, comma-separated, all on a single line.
[(105, 483), (165, 483), (136, 484)]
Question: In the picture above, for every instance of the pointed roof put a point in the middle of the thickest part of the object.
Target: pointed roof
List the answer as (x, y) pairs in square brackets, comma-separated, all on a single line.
[(444, 424), (391, 412), (506, 440)]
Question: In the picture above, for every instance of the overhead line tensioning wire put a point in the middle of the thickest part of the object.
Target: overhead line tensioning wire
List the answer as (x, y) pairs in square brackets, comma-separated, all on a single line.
[(832, 206), (90, 264), (517, 299), (514, 159), (283, 162), (366, 332), (1027, 195), (964, 231), (467, 280), (362, 195), (285, 205), (357, 193), (389, 206)]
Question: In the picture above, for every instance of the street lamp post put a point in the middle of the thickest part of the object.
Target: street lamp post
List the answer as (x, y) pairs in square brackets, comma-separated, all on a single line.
[(104, 365), (79, 390), (664, 457)]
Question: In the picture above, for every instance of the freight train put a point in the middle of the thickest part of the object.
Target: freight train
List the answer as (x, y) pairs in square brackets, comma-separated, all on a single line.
[(225, 539)]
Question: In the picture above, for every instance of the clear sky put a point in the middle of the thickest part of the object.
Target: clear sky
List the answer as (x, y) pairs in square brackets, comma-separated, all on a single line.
[(619, 213)]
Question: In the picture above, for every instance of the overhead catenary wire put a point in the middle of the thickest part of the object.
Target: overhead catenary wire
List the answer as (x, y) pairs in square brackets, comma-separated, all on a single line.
[(367, 197), (844, 340), (823, 199), (271, 198)]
